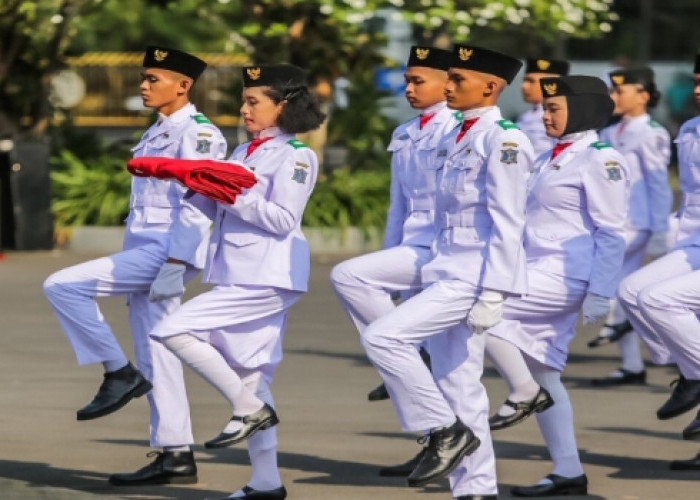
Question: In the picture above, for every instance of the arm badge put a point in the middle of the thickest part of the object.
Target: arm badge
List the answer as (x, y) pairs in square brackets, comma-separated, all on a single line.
[(509, 156), (299, 175), (203, 146)]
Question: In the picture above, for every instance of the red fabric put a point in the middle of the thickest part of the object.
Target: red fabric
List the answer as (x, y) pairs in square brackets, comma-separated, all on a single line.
[(424, 119), (221, 181), (255, 143), (558, 148), (466, 125)]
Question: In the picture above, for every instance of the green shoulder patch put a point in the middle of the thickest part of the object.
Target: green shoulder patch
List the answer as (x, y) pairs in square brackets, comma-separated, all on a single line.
[(507, 124), (600, 145), (654, 124), (458, 116), (200, 118), (296, 143)]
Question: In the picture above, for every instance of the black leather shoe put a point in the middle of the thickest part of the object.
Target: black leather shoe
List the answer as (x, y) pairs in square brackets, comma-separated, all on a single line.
[(477, 497), (446, 447), (523, 409), (262, 419), (117, 389), (559, 486), (379, 393), (692, 430), (619, 331), (404, 469), (685, 396), (252, 494), (621, 377), (692, 464), (169, 467)]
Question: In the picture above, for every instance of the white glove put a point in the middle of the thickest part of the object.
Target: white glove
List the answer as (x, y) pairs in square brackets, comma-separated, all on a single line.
[(595, 307), (486, 312), (169, 283), (657, 244)]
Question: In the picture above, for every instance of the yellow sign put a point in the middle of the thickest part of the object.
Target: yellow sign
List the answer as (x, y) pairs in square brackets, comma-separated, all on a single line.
[(543, 65), (422, 53), (253, 73), (465, 53), (160, 55), (550, 88)]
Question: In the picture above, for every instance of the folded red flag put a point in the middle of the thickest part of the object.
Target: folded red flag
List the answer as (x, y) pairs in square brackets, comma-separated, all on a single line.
[(219, 180)]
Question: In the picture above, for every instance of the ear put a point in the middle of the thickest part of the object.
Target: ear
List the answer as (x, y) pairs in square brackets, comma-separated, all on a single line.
[(184, 86), (490, 88)]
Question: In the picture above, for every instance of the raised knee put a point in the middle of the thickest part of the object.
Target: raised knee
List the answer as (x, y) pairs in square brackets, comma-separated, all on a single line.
[(55, 285), (341, 274), (653, 298), (628, 291)]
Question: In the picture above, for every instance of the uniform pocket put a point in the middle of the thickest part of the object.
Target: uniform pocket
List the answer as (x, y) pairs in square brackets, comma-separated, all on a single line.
[(240, 239)]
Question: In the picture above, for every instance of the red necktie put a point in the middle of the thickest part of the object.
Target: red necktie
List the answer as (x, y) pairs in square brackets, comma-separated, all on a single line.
[(255, 143), (558, 148), (466, 125), (425, 119)]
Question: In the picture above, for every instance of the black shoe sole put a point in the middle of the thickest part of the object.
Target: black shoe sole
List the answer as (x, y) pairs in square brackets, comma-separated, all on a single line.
[(136, 392), (574, 490), (154, 481), (223, 443), (678, 412), (466, 451)]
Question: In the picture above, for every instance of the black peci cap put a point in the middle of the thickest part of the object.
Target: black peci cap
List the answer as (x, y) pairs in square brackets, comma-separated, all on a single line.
[(485, 61), (285, 75), (430, 57), (173, 60), (549, 66), (573, 85), (697, 63), (643, 76)]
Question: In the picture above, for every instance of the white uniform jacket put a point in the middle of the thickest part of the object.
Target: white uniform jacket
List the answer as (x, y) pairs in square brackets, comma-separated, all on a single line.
[(158, 213), (576, 211), (646, 147), (480, 205), (413, 177), (258, 240), (530, 122), (688, 143)]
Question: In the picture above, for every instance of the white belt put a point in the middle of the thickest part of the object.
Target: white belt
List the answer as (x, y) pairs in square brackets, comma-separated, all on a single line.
[(154, 200), (421, 205), (465, 219)]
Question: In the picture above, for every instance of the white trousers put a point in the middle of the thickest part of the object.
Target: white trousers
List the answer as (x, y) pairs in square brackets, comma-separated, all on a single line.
[(438, 315), (662, 301), (72, 292), (364, 284)]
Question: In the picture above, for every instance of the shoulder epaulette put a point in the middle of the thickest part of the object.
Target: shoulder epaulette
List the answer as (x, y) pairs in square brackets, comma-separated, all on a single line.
[(507, 124), (600, 145), (201, 119), (654, 124), (458, 116), (296, 143)]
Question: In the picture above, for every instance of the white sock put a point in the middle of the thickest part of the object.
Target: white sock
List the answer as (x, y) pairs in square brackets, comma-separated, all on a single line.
[(176, 448), (263, 460), (113, 365), (207, 362), (509, 362), (631, 353), (557, 423)]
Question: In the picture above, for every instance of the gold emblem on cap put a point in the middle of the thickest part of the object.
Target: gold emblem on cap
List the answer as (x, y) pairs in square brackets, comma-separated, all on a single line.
[(422, 53), (160, 55), (550, 88), (618, 79), (465, 53), (253, 73), (543, 64)]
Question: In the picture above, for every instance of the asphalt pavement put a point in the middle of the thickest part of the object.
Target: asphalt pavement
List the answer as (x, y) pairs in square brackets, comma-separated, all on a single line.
[(332, 440)]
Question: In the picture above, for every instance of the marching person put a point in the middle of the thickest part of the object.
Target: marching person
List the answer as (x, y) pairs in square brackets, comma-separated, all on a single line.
[(530, 122), (661, 299), (574, 245), (364, 284), (258, 264), (483, 167), (646, 146), (159, 224)]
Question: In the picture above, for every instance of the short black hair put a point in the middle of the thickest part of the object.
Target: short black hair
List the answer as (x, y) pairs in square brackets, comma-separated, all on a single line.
[(302, 110)]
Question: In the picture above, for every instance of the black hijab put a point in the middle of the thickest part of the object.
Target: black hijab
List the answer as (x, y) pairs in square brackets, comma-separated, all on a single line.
[(587, 99)]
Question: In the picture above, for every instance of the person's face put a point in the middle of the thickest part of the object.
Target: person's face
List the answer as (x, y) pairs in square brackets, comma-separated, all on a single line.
[(696, 80), (532, 93), (160, 88), (629, 99), (466, 89), (424, 86), (258, 110), (556, 114)]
